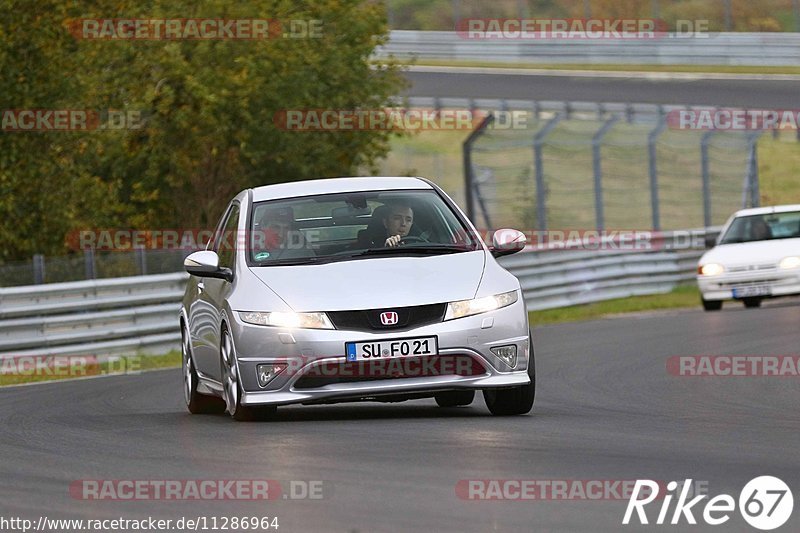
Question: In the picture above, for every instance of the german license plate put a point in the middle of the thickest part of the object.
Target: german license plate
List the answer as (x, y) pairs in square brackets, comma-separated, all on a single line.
[(749, 292), (386, 349)]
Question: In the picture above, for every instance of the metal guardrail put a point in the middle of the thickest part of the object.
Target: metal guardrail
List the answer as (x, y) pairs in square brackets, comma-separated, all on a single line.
[(139, 314), (117, 315), (565, 278), (775, 49)]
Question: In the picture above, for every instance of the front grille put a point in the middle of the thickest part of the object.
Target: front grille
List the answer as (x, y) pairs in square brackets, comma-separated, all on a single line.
[(753, 268), (370, 319), (747, 283), (395, 368)]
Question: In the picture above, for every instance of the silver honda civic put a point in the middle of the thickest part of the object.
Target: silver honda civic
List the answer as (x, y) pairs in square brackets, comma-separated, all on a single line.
[(352, 289)]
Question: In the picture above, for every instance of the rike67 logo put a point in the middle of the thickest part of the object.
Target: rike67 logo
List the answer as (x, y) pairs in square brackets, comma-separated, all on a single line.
[(765, 503)]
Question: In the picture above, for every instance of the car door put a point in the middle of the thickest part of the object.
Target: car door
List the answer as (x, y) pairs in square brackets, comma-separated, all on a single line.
[(211, 297)]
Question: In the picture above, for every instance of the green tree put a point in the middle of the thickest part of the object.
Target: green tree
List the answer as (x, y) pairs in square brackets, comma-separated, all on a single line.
[(208, 105)]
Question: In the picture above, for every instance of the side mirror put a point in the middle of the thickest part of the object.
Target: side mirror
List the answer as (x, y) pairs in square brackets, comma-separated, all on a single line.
[(711, 240), (205, 264), (507, 242)]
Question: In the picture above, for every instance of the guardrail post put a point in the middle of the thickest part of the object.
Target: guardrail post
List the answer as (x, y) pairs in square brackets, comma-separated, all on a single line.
[(652, 138), (541, 192), (598, 171), (704, 140), (89, 263), (469, 174), (38, 269)]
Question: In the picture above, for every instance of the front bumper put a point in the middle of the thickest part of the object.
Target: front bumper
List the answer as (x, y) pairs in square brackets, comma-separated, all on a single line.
[(779, 282), (306, 351)]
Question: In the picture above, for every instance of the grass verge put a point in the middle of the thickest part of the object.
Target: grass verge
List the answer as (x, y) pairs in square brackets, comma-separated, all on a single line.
[(680, 297), (15, 371)]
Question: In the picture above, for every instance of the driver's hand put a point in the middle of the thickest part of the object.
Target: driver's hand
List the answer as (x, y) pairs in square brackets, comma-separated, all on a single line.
[(393, 241)]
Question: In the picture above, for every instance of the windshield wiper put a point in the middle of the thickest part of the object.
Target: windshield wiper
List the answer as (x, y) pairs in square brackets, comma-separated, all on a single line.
[(292, 261), (391, 250)]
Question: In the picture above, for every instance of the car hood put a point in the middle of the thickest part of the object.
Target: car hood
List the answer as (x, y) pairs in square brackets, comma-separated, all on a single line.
[(756, 252), (377, 282)]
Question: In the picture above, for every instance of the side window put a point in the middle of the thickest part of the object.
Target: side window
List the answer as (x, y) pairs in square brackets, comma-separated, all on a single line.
[(226, 242)]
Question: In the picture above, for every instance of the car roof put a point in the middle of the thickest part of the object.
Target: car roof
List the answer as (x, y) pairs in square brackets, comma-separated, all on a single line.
[(767, 210), (336, 185)]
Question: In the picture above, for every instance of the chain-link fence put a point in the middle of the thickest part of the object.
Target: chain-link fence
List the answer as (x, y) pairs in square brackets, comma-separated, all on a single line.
[(589, 166), (90, 264)]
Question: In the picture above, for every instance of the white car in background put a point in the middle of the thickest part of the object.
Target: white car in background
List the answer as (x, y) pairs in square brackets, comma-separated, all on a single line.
[(756, 256)]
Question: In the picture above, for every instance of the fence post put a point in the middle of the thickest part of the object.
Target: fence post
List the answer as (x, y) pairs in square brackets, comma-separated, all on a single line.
[(487, 174), (88, 262), (728, 15), (38, 269), (141, 260), (469, 177), (598, 171), (652, 138), (752, 170), (541, 193), (704, 140)]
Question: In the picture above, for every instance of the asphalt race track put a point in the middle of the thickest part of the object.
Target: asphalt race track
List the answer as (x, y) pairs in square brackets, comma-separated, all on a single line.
[(763, 93), (606, 409)]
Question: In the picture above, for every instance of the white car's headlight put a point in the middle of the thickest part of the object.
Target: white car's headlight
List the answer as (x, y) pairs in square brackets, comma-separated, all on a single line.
[(287, 320), (711, 269), (789, 262), (464, 308)]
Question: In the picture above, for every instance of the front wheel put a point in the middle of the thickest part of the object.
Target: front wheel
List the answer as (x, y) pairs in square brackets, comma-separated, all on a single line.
[(752, 302), (196, 403), (712, 305), (516, 400), (232, 389)]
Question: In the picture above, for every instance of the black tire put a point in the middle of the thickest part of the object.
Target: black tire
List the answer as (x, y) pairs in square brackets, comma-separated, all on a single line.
[(752, 302), (454, 398), (712, 305), (196, 403), (516, 400)]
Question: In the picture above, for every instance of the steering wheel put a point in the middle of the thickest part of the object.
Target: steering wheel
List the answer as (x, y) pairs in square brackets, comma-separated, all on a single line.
[(413, 238)]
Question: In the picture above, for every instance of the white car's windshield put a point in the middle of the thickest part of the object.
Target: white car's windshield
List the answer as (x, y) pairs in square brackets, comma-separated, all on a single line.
[(763, 227), (312, 229)]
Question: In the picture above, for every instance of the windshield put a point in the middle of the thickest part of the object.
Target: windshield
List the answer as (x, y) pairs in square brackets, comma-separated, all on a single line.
[(763, 227), (344, 226)]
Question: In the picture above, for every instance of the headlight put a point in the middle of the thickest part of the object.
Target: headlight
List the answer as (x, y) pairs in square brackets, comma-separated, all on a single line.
[(287, 320), (464, 308), (789, 262), (711, 269)]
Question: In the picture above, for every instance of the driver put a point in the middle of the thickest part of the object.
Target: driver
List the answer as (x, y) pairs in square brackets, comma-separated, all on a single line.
[(397, 221), (760, 230)]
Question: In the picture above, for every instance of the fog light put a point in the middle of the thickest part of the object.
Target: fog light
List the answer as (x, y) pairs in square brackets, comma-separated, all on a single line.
[(508, 354), (267, 373)]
